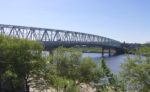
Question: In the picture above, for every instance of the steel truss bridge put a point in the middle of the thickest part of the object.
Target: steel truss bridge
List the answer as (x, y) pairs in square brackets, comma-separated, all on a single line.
[(51, 38)]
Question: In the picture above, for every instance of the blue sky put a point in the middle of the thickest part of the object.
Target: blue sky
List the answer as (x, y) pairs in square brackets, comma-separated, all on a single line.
[(123, 20)]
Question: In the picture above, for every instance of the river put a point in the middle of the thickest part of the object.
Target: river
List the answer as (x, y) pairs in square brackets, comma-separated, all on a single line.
[(113, 62)]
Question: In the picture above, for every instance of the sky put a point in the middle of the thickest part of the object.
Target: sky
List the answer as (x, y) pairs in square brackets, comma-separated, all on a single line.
[(122, 20)]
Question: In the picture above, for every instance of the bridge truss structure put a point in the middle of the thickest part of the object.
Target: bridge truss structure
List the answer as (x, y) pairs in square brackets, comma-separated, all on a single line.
[(54, 38)]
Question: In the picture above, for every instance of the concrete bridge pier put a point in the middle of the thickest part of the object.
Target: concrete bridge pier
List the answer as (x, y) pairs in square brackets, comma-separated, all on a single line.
[(120, 51), (103, 51), (50, 51), (109, 52)]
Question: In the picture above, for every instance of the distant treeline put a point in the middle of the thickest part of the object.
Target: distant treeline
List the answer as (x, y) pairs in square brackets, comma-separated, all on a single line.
[(91, 49)]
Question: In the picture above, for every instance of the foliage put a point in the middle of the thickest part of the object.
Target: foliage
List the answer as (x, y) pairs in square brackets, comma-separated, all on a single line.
[(67, 62), (104, 79), (87, 70), (69, 67), (135, 74), (144, 51), (24, 66), (146, 44), (73, 88), (20, 57)]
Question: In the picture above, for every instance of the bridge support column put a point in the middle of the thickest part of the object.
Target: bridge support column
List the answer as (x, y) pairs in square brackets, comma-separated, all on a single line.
[(120, 51), (102, 52), (50, 51), (109, 52)]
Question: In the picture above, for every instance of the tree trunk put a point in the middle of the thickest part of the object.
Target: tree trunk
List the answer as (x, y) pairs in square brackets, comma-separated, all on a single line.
[(12, 86), (26, 86), (1, 79), (0, 84)]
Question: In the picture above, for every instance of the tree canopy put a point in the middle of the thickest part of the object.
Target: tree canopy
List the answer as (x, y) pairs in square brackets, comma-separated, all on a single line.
[(21, 58)]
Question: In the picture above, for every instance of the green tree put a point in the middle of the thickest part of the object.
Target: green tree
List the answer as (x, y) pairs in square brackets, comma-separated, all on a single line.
[(70, 67), (67, 62), (136, 72), (61, 68), (104, 79), (87, 70), (23, 57)]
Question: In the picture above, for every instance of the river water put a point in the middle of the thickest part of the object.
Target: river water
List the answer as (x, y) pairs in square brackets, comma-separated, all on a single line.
[(113, 62)]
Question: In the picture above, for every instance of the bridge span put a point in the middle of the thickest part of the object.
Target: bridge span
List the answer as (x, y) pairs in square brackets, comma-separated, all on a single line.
[(52, 38)]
